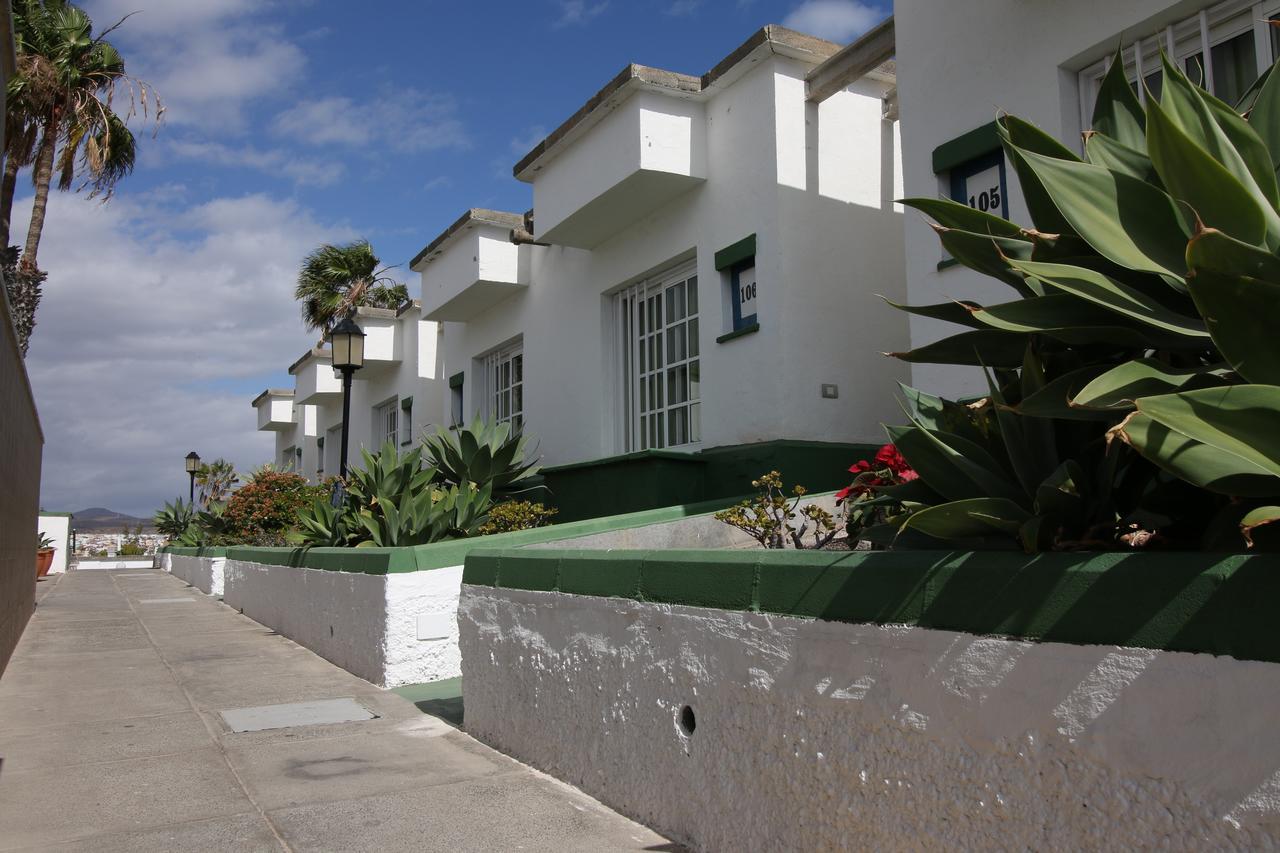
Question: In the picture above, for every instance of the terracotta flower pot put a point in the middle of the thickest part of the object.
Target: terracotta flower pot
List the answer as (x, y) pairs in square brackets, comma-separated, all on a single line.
[(44, 559)]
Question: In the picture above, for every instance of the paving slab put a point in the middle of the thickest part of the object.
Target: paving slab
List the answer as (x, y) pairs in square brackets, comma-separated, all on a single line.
[(321, 712), (111, 739)]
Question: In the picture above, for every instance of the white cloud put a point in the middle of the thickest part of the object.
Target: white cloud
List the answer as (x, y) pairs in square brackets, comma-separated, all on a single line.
[(439, 182), (525, 142), (207, 59), (301, 170), (836, 20), (159, 323), (578, 12), (408, 120), (683, 8)]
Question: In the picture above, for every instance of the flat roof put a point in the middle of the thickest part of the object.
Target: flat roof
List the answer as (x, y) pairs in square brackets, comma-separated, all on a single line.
[(771, 39), (272, 392), (476, 215), (314, 352)]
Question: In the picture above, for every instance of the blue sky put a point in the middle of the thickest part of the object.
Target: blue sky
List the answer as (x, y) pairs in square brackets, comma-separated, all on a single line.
[(289, 123)]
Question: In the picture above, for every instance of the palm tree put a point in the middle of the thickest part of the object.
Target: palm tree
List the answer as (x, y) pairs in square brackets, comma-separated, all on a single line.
[(335, 280), (215, 480), (66, 84)]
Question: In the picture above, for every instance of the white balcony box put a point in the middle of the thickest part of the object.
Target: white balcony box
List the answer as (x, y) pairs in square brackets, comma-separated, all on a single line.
[(315, 380), (471, 267), (383, 340), (275, 410), (641, 144)]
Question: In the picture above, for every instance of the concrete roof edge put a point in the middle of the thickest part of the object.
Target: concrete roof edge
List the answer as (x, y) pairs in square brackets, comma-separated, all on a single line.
[(412, 304), (314, 352), (870, 55), (272, 392), (384, 313), (484, 216), (776, 39)]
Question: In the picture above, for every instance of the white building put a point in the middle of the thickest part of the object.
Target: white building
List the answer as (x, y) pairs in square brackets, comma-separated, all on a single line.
[(394, 396), (962, 63), (698, 277)]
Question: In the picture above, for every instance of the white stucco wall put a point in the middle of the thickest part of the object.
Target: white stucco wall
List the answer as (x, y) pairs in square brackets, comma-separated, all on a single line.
[(825, 247), (823, 736), (203, 573), (959, 64), (367, 624), (57, 528)]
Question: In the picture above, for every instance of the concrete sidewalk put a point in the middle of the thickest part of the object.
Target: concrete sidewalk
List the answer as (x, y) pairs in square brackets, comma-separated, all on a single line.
[(111, 738)]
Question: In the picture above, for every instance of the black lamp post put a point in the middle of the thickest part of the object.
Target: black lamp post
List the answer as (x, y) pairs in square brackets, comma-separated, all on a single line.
[(347, 344), (193, 465)]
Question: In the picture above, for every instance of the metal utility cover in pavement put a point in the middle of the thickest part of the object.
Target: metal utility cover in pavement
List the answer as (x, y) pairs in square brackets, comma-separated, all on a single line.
[(317, 713)]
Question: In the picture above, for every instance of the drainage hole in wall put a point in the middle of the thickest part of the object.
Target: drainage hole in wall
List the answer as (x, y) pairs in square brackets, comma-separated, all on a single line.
[(330, 630), (688, 722)]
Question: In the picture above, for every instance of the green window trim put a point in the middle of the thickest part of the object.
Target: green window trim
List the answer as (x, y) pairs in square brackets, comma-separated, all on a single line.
[(963, 148), (738, 252), (406, 403), (738, 333), (456, 380)]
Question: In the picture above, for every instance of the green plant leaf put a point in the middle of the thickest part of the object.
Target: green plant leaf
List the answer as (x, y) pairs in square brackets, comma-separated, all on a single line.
[(1116, 112), (1237, 420), (1114, 295), (949, 312), (1256, 518), (1018, 137), (987, 255), (952, 214), (1194, 461), (984, 347), (1264, 117), (954, 467), (1116, 389), (1127, 221), (1218, 196), (1053, 400), (969, 519), (1236, 287), (1104, 151)]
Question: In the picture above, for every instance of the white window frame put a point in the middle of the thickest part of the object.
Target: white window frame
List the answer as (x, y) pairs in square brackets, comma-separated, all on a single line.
[(386, 422), (503, 372), (646, 412), (1199, 33)]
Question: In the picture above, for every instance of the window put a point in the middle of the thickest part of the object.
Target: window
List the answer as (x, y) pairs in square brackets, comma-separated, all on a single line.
[(457, 413), (332, 449), (406, 421), (661, 374), (320, 456), (287, 459), (1236, 35), (504, 386), (386, 423), (738, 264), (971, 170)]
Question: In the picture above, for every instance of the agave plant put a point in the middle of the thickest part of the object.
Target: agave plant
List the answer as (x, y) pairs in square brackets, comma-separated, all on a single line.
[(485, 453), (394, 501), (208, 527), (1134, 386), (174, 519)]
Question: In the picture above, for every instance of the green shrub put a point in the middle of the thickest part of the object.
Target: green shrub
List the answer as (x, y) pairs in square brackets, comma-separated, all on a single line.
[(394, 501), (771, 518), (509, 516), (1134, 384), (174, 519), (132, 548), (264, 511)]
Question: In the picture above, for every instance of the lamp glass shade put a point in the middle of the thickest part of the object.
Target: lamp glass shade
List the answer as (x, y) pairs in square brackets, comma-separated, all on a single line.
[(193, 462), (347, 344)]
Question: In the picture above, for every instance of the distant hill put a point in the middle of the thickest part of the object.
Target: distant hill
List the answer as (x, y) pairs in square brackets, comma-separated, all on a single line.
[(102, 520)]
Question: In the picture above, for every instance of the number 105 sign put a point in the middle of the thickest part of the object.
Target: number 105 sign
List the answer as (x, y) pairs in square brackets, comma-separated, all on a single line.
[(984, 192)]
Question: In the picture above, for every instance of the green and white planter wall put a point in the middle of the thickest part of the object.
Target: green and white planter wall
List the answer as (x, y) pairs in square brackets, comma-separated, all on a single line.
[(819, 701)]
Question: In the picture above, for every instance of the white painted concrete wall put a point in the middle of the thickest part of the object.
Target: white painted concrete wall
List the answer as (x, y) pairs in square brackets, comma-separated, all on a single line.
[(959, 65), (203, 573), (115, 563), (816, 186), (388, 629), (57, 528), (823, 736)]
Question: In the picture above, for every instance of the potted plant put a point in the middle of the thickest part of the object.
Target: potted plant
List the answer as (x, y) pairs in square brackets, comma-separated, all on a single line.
[(44, 555)]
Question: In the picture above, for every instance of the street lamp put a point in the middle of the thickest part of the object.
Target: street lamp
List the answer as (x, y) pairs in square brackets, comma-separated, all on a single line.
[(193, 465), (347, 344)]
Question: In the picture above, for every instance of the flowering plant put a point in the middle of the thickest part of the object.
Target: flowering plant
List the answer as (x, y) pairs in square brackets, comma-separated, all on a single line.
[(864, 506)]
